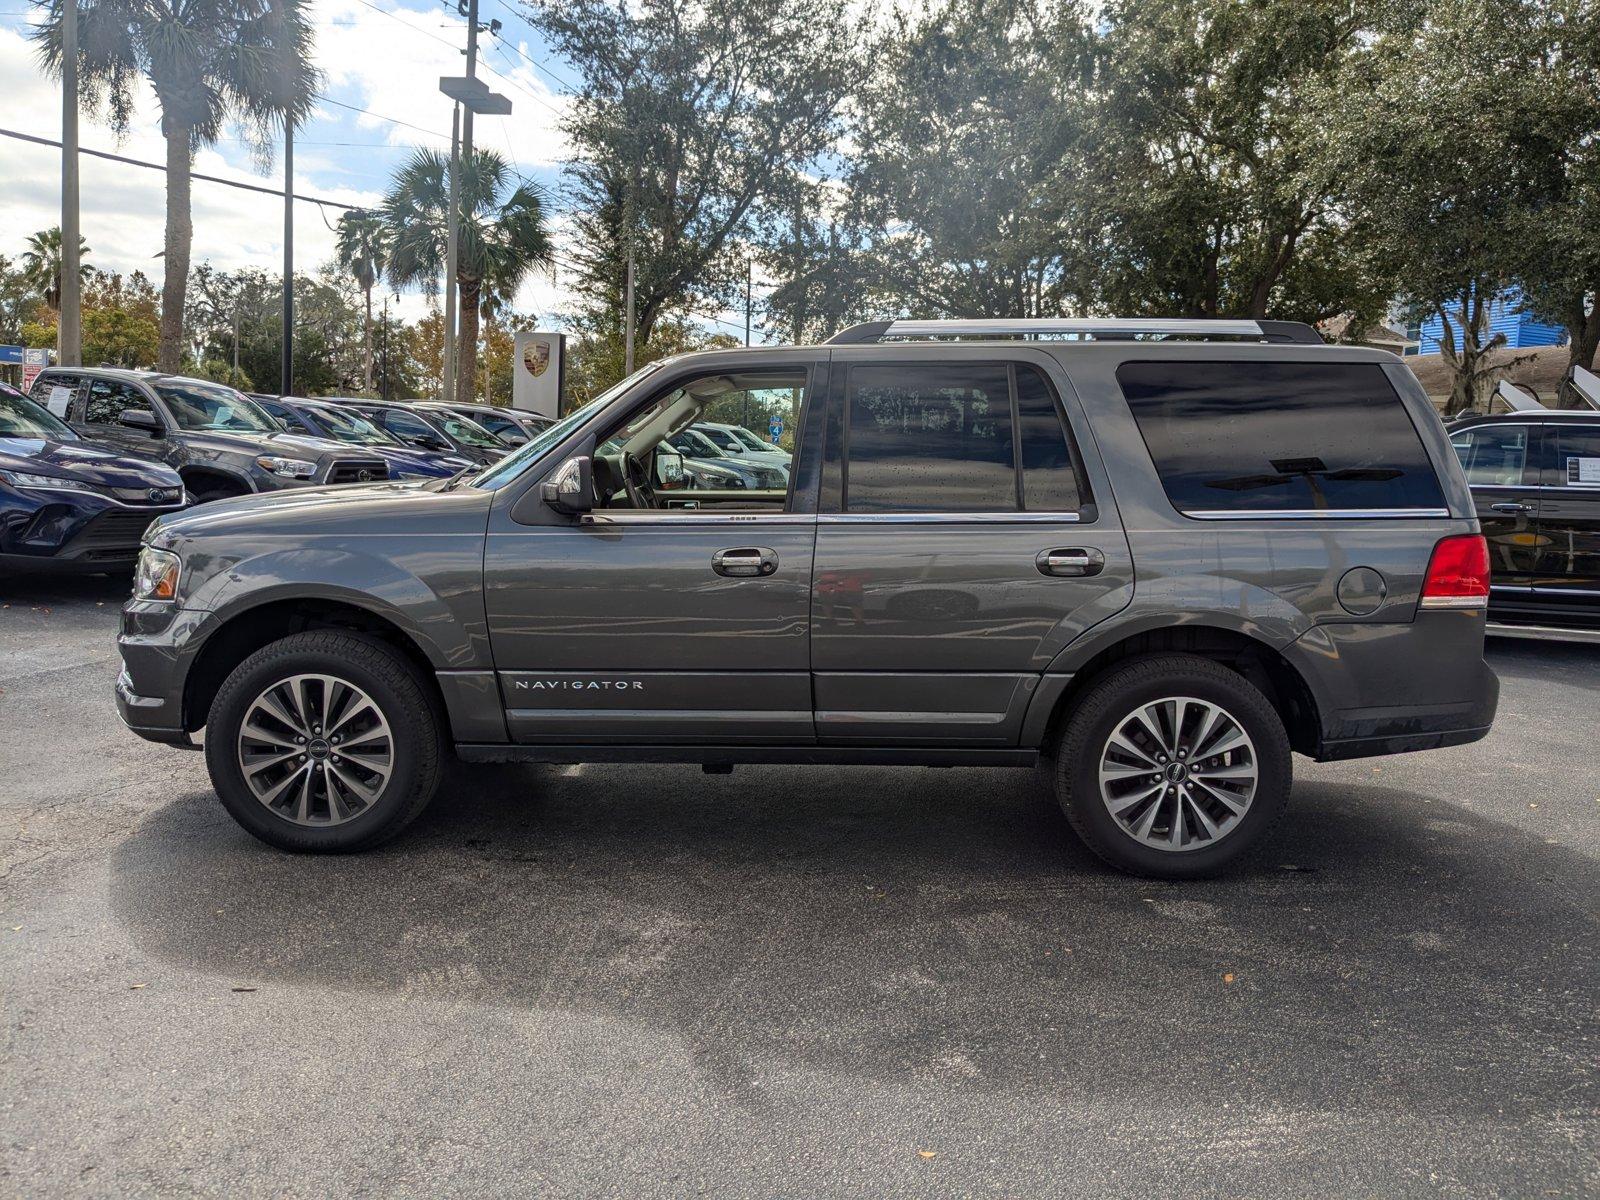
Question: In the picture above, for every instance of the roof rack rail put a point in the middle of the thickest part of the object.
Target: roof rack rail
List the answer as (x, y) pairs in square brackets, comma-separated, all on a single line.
[(1099, 328)]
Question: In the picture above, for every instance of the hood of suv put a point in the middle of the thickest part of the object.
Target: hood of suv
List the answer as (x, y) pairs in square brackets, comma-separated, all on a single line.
[(300, 514), (265, 443), (85, 462)]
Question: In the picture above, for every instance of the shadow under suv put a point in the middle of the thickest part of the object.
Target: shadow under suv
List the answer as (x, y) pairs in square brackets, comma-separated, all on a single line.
[(1154, 557), (219, 440)]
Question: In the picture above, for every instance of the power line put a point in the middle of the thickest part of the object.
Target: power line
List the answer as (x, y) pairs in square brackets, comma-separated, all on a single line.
[(139, 162), (381, 117)]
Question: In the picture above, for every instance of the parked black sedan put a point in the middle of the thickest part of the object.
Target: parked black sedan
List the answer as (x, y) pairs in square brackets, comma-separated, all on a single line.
[(330, 422), (1535, 477), (68, 504)]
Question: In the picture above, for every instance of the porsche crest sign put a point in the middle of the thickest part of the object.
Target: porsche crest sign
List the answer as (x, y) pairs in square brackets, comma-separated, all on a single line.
[(538, 373)]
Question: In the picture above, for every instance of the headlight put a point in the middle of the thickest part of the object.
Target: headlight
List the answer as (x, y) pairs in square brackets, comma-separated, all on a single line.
[(47, 483), (156, 576), (287, 468)]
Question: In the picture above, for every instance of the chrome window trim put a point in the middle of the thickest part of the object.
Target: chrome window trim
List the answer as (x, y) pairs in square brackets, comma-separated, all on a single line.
[(1073, 325), (1312, 514), (695, 517), (938, 518)]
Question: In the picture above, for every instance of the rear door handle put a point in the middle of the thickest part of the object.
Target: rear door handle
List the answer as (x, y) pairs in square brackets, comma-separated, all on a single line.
[(745, 562), (1511, 506), (1070, 562)]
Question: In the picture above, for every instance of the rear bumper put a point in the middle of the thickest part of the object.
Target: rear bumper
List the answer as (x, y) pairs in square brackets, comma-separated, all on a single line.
[(1392, 689)]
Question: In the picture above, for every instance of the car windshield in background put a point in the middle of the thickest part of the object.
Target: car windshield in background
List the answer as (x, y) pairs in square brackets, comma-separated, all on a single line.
[(508, 468), (347, 427), (22, 418), (197, 406), (468, 433)]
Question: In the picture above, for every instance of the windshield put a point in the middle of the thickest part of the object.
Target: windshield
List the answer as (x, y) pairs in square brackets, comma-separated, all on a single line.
[(347, 427), (21, 417), (508, 468), (468, 433), (752, 442), (202, 406)]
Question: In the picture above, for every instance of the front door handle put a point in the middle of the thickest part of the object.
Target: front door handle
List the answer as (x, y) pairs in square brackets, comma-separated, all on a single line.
[(745, 562), (1070, 562), (1511, 506)]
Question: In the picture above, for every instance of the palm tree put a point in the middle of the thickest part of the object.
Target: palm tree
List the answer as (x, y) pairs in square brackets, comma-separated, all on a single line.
[(41, 264), (208, 62), (501, 236), (363, 251)]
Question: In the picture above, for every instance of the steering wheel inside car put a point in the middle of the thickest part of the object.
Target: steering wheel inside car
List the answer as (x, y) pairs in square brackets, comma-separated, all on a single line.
[(636, 480)]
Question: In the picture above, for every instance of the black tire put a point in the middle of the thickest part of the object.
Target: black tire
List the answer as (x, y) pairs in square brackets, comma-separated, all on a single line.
[(1106, 705), (392, 683)]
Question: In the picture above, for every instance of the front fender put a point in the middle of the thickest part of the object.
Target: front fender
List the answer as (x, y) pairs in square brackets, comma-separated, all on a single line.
[(441, 612)]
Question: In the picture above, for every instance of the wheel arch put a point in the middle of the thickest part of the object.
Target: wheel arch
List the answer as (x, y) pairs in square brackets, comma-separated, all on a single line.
[(1255, 659), (249, 629)]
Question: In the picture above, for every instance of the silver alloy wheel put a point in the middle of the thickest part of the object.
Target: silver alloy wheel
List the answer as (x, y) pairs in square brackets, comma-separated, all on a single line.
[(316, 750), (1178, 774)]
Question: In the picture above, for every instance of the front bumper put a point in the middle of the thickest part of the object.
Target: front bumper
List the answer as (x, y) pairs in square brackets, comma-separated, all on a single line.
[(158, 643), (74, 534), (1392, 689)]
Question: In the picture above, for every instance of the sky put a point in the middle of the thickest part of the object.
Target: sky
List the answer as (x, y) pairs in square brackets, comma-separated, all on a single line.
[(383, 56)]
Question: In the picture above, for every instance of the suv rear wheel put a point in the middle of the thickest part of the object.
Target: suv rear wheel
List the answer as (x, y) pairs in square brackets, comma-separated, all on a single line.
[(324, 741), (1173, 766)]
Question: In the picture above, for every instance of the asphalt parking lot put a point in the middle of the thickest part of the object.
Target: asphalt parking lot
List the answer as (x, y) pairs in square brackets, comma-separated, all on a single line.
[(646, 981)]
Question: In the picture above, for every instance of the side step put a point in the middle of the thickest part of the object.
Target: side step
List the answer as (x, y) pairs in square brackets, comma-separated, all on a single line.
[(721, 756), (1544, 633)]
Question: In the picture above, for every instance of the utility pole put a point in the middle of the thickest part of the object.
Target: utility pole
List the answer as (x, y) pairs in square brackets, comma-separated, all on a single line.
[(448, 369), (749, 280), (69, 332), (383, 385), (286, 371), (630, 217), (236, 336)]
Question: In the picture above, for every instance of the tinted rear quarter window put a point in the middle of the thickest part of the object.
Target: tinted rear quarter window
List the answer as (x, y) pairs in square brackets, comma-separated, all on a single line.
[(1257, 436)]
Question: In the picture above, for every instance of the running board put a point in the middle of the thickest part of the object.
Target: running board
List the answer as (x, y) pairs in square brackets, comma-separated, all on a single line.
[(845, 756), (1543, 633)]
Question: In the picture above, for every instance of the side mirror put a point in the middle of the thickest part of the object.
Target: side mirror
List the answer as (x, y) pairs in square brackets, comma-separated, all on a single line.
[(138, 418), (571, 489), (669, 468)]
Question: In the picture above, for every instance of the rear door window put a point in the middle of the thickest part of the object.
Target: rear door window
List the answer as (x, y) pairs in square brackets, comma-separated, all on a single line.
[(955, 438), (1252, 436), (1577, 455)]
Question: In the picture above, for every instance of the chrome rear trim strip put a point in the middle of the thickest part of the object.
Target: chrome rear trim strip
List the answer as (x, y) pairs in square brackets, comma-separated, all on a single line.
[(1314, 514)]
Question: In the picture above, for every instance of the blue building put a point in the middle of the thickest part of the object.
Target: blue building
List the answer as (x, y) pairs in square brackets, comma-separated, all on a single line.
[(1507, 315)]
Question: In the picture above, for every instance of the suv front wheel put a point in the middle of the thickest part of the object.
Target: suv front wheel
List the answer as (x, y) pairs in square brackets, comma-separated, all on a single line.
[(1173, 766), (324, 741)]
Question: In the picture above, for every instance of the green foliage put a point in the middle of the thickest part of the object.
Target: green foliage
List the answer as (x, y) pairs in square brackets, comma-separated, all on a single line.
[(595, 351), (41, 264), (19, 302), (690, 119)]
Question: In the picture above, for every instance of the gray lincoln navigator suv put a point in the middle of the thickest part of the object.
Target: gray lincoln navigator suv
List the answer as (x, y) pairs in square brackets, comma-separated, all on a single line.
[(1153, 557)]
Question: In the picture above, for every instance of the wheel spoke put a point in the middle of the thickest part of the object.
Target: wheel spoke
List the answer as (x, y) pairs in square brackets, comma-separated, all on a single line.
[(1231, 740), (1127, 747), (260, 733), (1118, 771), (1208, 726), (1153, 727), (270, 796), (377, 733), (275, 706), (355, 788), (353, 708), (303, 809), (1143, 831), (377, 764), (255, 766), (1237, 771), (1206, 822), (1233, 804), (1123, 803)]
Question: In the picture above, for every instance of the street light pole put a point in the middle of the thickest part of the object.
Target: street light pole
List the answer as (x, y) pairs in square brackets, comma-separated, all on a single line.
[(286, 370), (69, 331)]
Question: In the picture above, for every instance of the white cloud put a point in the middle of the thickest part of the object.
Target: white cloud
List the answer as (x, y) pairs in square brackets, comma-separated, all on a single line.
[(390, 66)]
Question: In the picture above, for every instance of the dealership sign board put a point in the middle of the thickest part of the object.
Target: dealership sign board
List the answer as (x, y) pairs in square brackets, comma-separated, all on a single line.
[(32, 361), (538, 372)]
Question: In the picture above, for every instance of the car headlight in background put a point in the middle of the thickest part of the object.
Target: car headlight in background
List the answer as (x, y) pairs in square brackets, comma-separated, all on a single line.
[(47, 483), (287, 468), (156, 576)]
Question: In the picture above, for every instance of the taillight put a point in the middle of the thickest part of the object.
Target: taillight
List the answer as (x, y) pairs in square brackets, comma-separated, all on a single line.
[(1458, 573)]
